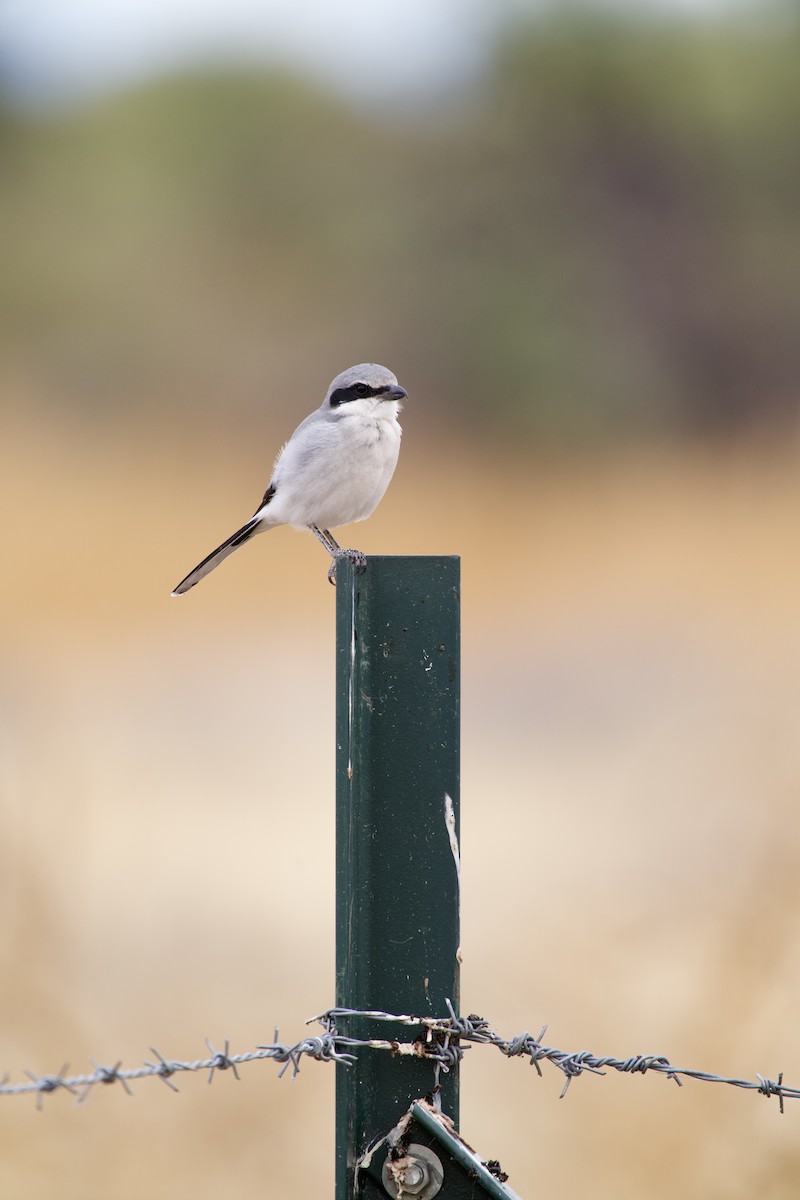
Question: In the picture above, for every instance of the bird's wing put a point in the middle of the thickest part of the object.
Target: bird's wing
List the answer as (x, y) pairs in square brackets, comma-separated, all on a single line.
[(268, 494)]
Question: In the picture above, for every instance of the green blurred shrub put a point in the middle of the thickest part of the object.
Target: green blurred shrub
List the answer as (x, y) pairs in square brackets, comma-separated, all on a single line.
[(601, 236)]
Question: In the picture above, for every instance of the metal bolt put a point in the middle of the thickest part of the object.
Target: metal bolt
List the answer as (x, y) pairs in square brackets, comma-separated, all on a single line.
[(415, 1176), (417, 1173)]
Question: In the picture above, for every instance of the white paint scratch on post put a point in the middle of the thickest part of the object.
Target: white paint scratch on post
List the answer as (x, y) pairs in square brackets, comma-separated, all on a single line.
[(450, 823)]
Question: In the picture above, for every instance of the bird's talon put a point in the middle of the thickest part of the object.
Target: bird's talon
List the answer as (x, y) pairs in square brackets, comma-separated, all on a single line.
[(358, 559), (355, 557)]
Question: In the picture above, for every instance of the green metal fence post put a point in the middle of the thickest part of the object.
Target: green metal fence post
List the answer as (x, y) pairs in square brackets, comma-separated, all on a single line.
[(397, 891)]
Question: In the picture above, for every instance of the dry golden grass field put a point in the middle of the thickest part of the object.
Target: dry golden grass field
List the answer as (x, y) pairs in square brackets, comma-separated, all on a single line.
[(630, 822)]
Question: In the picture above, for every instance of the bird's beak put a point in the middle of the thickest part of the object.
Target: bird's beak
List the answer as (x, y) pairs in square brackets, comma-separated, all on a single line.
[(395, 393)]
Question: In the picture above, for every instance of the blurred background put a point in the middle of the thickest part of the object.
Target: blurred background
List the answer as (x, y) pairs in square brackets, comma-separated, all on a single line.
[(573, 231)]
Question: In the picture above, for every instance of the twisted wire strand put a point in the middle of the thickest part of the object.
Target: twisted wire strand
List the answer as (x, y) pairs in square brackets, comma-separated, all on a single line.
[(441, 1040)]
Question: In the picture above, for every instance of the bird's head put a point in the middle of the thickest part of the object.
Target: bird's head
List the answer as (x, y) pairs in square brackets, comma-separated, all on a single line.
[(363, 390)]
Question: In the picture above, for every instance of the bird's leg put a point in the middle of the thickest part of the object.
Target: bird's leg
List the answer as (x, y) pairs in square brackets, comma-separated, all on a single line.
[(336, 552), (331, 545), (329, 542)]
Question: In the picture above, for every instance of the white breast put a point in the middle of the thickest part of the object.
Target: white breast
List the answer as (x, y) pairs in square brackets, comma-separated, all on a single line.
[(334, 472)]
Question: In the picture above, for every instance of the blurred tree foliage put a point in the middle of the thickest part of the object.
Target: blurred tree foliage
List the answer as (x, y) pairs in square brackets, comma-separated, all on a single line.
[(602, 235)]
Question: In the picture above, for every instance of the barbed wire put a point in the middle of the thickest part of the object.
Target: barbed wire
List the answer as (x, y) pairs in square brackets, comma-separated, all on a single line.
[(324, 1049), (475, 1030), (441, 1040)]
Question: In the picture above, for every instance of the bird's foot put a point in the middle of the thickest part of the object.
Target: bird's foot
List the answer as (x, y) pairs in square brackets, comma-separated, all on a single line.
[(356, 557)]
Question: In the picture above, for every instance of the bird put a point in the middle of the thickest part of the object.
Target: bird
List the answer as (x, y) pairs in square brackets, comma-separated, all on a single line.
[(333, 470)]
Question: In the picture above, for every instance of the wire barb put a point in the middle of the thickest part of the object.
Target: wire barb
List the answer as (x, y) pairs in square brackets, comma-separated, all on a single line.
[(164, 1069), (221, 1061), (104, 1075)]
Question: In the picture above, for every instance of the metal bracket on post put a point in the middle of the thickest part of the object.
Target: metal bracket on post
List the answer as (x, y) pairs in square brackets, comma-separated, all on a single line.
[(397, 793), (423, 1157)]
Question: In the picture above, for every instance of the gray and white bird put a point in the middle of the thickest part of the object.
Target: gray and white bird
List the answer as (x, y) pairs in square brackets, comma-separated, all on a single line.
[(332, 471)]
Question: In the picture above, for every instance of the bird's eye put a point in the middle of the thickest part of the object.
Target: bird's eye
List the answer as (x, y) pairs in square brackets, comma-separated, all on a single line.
[(361, 389)]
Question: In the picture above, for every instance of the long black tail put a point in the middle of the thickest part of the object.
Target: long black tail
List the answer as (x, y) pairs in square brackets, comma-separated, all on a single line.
[(217, 556)]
